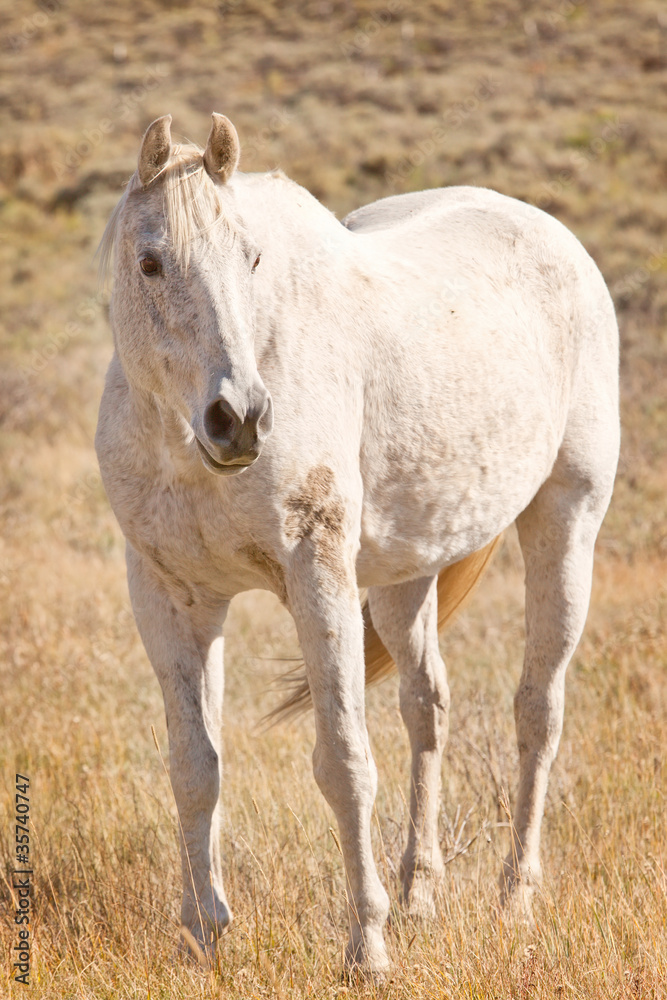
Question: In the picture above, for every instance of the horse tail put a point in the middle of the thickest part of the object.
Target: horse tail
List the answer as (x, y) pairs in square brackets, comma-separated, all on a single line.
[(456, 584)]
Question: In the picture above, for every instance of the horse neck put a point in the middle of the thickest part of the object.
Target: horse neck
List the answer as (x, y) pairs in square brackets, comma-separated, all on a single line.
[(305, 249)]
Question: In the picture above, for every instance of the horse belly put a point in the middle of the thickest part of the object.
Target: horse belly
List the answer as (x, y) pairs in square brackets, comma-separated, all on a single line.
[(434, 505), (468, 435)]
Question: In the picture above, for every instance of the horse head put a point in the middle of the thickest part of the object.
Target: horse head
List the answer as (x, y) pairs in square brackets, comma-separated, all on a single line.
[(182, 304)]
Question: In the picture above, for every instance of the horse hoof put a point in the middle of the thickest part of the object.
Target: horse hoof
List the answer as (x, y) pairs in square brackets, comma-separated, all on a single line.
[(419, 896), (362, 975), (367, 962), (517, 907), (198, 938), (516, 900), (201, 952)]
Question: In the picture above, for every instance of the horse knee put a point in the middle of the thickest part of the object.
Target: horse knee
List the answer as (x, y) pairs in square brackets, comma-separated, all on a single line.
[(538, 715), (196, 778), (346, 774)]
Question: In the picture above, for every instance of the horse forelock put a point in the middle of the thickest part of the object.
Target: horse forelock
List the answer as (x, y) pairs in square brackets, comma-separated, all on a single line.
[(192, 205)]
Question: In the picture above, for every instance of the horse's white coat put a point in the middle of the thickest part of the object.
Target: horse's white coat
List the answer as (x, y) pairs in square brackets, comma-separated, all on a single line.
[(440, 365)]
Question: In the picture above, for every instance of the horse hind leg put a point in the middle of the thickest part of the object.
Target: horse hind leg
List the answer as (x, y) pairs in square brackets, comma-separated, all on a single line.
[(557, 533), (406, 619)]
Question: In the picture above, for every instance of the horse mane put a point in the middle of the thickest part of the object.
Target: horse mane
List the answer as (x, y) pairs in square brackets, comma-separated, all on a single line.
[(192, 205)]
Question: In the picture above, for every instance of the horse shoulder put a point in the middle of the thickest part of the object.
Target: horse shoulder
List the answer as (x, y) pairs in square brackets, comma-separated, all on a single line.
[(113, 436)]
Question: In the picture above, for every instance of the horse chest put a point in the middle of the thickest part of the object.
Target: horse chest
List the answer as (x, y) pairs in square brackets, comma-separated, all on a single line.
[(190, 540)]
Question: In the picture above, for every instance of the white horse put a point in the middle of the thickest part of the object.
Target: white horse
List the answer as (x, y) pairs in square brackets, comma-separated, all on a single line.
[(396, 390)]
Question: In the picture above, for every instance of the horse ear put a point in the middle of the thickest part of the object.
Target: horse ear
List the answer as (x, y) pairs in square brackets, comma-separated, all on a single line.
[(222, 149), (155, 149)]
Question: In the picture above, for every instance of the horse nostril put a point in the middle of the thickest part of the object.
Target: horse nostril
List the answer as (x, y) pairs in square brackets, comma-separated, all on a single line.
[(220, 421), (265, 421)]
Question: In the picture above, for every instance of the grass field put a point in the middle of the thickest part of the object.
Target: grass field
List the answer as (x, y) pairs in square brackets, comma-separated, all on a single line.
[(563, 104)]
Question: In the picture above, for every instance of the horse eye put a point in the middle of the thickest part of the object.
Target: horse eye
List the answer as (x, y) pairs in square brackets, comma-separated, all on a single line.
[(149, 265), (256, 264)]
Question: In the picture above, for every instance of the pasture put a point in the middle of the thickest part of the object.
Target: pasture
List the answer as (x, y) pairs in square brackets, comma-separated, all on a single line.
[(563, 105)]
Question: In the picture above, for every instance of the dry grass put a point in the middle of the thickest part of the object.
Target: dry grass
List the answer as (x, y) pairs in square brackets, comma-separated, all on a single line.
[(527, 92)]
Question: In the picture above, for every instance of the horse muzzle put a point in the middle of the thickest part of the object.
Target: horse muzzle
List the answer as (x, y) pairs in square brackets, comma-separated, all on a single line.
[(231, 439)]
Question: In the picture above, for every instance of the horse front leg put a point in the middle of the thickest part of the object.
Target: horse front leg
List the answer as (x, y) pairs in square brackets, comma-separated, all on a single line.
[(324, 602), (185, 647)]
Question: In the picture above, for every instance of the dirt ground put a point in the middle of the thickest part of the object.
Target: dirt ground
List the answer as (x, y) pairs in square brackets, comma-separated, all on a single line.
[(562, 104)]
